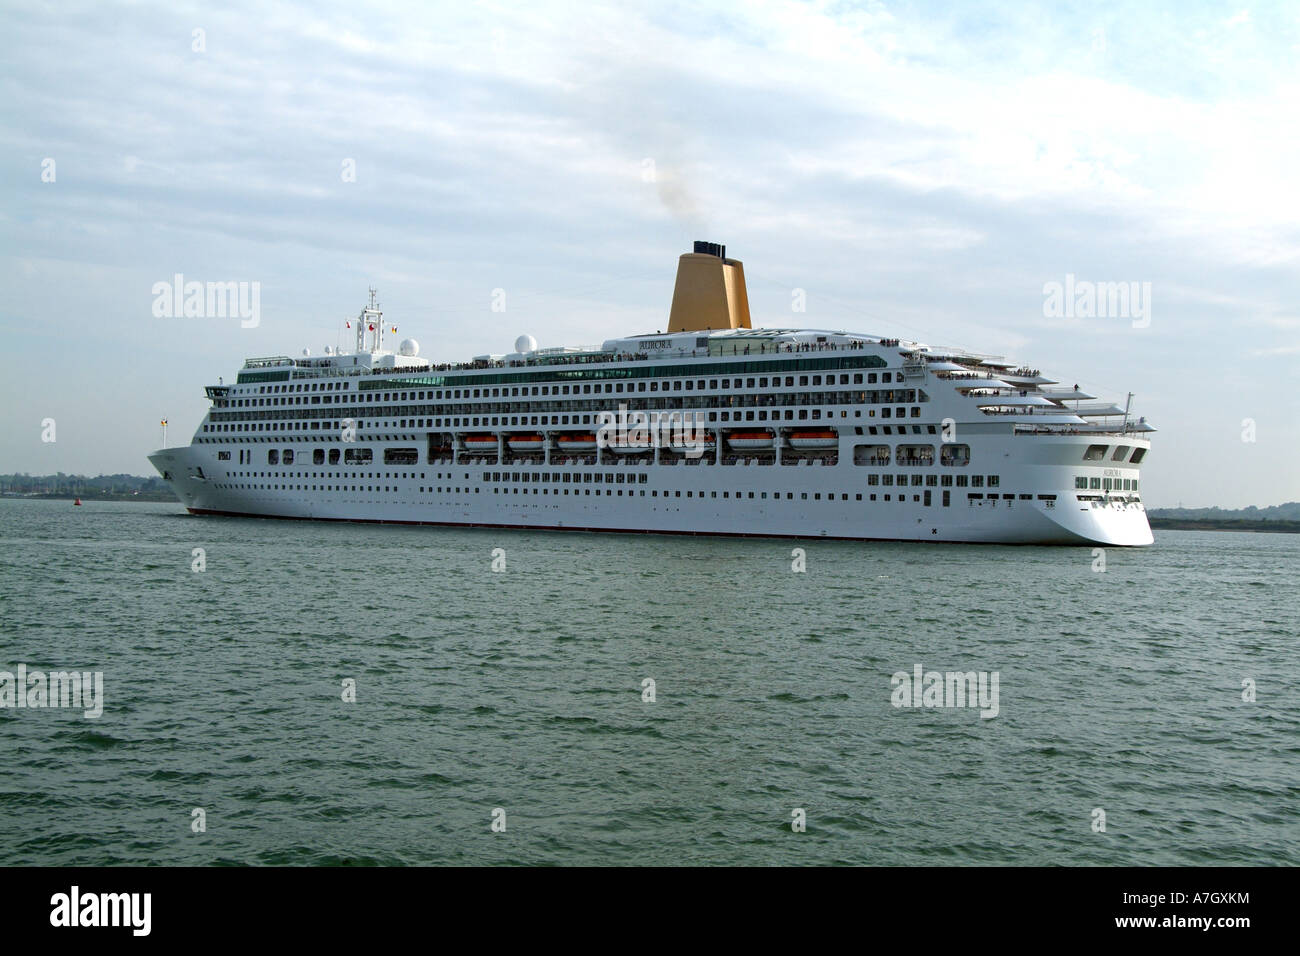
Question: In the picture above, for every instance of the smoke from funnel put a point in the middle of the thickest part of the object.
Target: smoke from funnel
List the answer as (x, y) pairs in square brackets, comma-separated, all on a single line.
[(678, 199)]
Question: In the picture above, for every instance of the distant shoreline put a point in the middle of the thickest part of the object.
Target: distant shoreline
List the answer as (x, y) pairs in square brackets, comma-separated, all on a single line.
[(1223, 524), (91, 496)]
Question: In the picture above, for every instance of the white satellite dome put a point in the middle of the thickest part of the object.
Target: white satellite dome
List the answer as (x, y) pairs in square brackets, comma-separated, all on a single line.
[(306, 353), (409, 348), (329, 350), (525, 343)]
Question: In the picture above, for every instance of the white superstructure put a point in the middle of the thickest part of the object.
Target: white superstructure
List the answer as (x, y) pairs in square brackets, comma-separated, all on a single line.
[(727, 430)]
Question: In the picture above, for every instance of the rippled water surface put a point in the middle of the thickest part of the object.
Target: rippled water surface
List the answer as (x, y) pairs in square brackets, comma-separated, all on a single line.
[(522, 690)]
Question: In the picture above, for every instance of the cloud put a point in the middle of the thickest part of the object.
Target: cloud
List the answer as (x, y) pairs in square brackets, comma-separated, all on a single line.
[(918, 172)]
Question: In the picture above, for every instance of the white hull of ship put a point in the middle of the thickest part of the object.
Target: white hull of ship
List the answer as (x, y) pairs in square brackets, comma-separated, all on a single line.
[(480, 503)]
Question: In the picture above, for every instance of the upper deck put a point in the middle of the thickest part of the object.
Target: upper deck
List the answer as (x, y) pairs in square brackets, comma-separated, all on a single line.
[(709, 338)]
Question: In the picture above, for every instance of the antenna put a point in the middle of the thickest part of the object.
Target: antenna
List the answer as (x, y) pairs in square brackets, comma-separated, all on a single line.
[(1127, 405)]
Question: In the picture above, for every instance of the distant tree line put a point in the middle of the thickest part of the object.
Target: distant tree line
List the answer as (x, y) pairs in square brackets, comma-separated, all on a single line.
[(1284, 512), (101, 486)]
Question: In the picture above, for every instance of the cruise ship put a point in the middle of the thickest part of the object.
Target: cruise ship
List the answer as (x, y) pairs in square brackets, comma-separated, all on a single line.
[(711, 427)]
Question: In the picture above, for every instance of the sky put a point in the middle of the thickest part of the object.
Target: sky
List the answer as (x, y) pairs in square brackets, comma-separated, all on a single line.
[(925, 171)]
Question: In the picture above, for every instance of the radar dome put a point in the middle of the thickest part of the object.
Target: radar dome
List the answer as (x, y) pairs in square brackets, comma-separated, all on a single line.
[(306, 353), (525, 343), (409, 348)]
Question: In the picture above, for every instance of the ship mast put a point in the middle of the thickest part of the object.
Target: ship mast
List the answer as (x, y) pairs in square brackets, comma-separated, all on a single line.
[(370, 315)]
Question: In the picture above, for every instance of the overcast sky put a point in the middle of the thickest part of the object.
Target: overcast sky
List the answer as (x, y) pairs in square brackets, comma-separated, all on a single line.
[(919, 170)]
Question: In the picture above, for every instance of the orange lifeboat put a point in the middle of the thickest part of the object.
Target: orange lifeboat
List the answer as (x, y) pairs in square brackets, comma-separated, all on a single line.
[(814, 439), (576, 442), (526, 443), (749, 441)]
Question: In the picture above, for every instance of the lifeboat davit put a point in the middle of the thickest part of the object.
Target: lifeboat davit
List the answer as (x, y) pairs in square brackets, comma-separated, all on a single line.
[(749, 441), (814, 439), (683, 444), (630, 448), (581, 442), (526, 443)]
